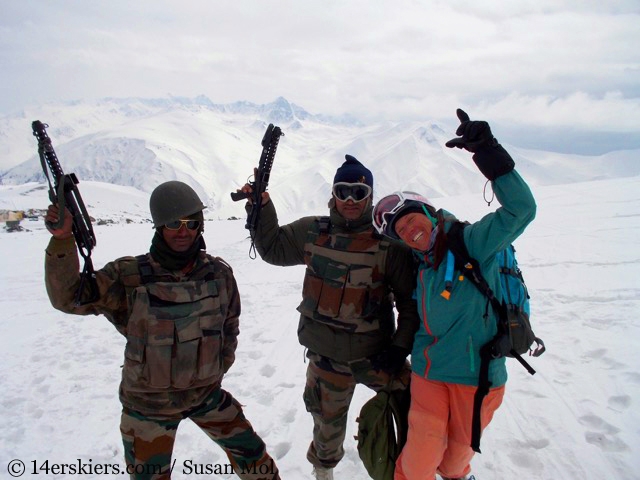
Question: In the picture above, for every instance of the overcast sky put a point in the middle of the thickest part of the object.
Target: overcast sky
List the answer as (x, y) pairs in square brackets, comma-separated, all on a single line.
[(557, 67)]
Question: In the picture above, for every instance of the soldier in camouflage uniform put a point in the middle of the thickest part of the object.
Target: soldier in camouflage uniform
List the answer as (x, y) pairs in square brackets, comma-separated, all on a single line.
[(179, 311), (353, 278)]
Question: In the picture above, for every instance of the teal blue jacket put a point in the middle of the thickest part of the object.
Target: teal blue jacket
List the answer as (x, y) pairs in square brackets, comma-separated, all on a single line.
[(447, 345)]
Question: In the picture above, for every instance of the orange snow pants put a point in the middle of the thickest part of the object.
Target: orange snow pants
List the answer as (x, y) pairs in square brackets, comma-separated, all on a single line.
[(439, 436)]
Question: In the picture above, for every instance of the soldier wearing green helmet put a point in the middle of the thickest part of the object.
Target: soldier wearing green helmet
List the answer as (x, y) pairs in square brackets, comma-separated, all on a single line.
[(173, 200), (178, 308)]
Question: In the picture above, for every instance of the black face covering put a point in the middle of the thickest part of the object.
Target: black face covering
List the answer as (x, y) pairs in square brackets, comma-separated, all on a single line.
[(169, 258)]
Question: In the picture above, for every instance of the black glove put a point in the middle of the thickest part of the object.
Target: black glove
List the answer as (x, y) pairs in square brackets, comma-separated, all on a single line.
[(390, 360), (476, 137), (474, 133)]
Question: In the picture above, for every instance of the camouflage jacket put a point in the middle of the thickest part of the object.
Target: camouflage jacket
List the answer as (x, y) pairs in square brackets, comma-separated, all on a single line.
[(181, 329), (352, 282)]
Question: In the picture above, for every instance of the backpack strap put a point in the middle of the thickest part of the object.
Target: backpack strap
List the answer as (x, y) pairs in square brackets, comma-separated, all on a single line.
[(217, 264), (324, 224), (469, 266), (400, 402), (500, 346), (448, 276), (144, 267)]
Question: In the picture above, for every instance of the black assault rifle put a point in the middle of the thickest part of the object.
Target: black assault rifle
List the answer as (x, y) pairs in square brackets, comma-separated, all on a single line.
[(65, 194), (261, 181)]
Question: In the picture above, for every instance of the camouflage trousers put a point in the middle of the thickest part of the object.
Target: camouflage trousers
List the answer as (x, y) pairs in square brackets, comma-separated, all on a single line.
[(327, 396), (148, 442)]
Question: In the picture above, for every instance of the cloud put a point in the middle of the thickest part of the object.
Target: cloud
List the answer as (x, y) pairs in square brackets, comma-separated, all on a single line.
[(611, 112), (545, 62)]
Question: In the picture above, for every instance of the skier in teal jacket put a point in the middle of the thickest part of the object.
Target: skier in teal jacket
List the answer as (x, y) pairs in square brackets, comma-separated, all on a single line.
[(455, 318)]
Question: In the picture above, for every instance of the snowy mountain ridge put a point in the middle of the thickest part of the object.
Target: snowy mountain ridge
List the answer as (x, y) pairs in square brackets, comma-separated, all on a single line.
[(140, 143)]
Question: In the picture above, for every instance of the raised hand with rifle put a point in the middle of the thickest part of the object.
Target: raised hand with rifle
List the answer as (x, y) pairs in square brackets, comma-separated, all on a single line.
[(67, 215), (255, 192)]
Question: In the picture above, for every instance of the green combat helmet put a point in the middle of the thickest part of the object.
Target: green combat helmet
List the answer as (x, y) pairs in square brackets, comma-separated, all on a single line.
[(172, 201)]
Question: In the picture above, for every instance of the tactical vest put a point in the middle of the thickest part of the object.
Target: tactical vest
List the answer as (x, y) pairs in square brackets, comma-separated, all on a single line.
[(344, 280), (174, 331)]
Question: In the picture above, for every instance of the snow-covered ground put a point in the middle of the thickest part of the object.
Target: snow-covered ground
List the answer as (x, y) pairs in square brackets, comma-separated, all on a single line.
[(577, 418)]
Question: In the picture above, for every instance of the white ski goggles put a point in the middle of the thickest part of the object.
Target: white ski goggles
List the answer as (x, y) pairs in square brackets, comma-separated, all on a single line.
[(388, 208), (357, 192)]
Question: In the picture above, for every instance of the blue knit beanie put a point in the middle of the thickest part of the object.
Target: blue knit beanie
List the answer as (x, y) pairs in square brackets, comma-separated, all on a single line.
[(352, 171)]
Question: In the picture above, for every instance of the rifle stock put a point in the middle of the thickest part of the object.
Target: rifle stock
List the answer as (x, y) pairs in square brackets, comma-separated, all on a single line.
[(65, 194), (261, 181)]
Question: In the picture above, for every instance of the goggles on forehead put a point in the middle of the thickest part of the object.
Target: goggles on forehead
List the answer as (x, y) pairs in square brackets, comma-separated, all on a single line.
[(190, 224), (389, 207), (357, 192)]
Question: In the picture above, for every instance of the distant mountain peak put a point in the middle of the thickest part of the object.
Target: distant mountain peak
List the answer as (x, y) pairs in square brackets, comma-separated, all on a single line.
[(138, 142), (279, 111)]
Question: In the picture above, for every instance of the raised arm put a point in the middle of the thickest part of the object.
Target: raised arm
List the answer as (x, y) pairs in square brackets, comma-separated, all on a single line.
[(281, 245), (496, 230)]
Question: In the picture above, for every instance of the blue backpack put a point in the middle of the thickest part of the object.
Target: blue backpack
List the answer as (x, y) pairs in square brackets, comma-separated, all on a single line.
[(515, 335)]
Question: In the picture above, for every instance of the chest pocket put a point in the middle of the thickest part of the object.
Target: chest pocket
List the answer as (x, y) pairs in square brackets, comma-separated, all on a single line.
[(343, 284), (174, 335), (326, 292)]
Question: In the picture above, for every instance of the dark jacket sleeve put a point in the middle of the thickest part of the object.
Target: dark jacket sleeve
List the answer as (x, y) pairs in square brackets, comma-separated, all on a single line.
[(231, 327), (62, 279), (401, 278), (282, 246)]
